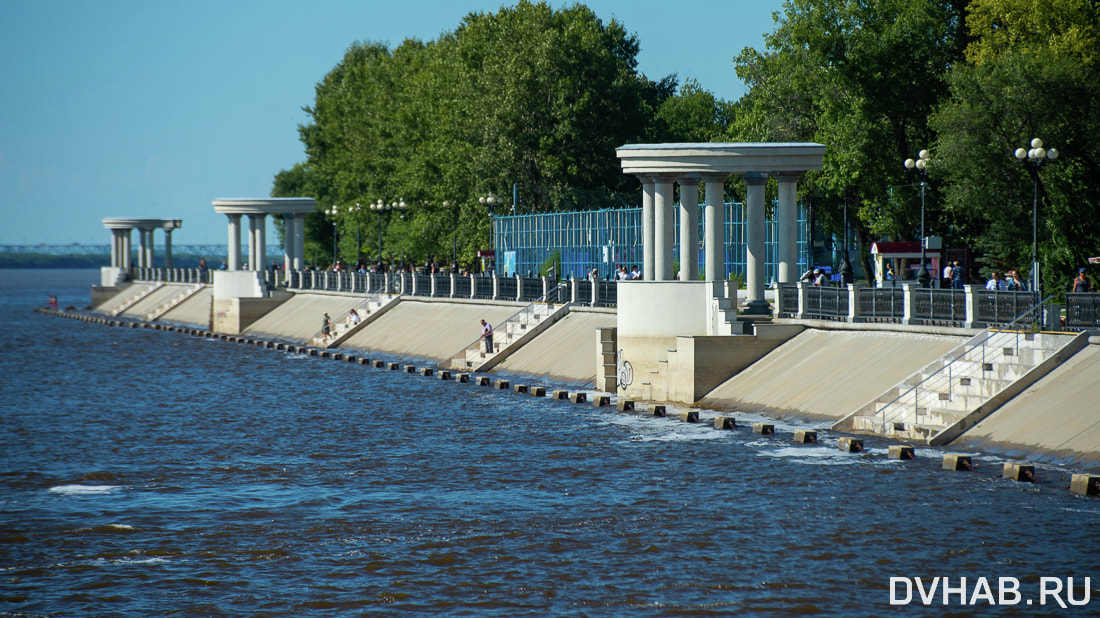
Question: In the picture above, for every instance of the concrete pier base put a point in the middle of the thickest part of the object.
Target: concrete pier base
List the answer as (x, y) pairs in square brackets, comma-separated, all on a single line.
[(538, 391), (501, 385), (625, 405), (427, 371), (1085, 485), (957, 462), (601, 401), (805, 436), (483, 381), (850, 445), (764, 429), (462, 378), (520, 388), (725, 422), (1024, 473), (578, 398), (657, 411), (898, 451), (689, 416), (560, 395)]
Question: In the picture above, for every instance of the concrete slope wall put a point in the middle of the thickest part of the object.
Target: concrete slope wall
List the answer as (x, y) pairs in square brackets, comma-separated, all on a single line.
[(300, 317), (1058, 416), (828, 374), (153, 300), (427, 329), (195, 310), (567, 350)]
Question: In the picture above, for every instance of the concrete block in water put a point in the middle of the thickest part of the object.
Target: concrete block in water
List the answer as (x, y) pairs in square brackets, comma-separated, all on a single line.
[(538, 391), (444, 374), (805, 436), (364, 361), (850, 445), (625, 405), (764, 429), (483, 381), (426, 371), (956, 462), (601, 401), (463, 378), (350, 358), (410, 368), (1024, 473), (560, 395), (658, 411), (520, 388), (394, 366), (578, 397), (689, 416), (898, 451), (325, 354), (1085, 485), (725, 422), (502, 385), (379, 364), (337, 356)]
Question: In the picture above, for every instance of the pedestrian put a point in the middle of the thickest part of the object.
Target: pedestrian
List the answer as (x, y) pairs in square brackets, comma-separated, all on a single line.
[(956, 275), (819, 277), (1013, 283), (891, 277), (995, 283), (1081, 285), (946, 281), (487, 335), (326, 327)]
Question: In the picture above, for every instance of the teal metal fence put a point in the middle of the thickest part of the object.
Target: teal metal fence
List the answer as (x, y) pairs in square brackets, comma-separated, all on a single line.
[(604, 239)]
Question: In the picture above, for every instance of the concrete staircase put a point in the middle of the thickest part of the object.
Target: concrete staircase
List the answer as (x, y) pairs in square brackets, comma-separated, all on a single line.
[(135, 297), (184, 294), (509, 336), (950, 395), (369, 310)]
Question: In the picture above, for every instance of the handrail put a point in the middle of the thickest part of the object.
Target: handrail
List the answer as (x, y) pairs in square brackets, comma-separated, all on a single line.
[(358, 308), (476, 343), (947, 366)]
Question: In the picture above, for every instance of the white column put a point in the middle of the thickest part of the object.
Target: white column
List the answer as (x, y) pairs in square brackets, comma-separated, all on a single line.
[(662, 229), (167, 248), (127, 249), (787, 222), (116, 248), (234, 256), (257, 251), (143, 248), (714, 228), (647, 228), (754, 240), (288, 245), (300, 242), (689, 229)]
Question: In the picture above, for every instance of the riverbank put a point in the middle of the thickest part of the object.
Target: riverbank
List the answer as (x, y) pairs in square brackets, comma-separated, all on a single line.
[(816, 377)]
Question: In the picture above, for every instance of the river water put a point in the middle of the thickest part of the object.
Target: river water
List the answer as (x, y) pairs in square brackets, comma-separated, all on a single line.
[(154, 473)]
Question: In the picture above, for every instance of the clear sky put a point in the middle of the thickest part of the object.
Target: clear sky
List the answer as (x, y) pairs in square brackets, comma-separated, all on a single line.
[(153, 108)]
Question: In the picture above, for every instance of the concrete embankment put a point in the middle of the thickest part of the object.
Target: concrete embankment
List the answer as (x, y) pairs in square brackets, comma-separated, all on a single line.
[(822, 374), (1057, 420), (826, 374)]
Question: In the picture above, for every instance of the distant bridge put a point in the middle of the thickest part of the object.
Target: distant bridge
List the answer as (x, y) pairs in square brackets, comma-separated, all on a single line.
[(79, 249)]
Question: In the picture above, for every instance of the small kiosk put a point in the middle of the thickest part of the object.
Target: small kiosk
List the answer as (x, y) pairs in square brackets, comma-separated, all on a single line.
[(881, 252)]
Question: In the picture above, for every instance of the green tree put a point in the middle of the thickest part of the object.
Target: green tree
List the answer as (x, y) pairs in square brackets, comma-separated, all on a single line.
[(861, 77), (1033, 73)]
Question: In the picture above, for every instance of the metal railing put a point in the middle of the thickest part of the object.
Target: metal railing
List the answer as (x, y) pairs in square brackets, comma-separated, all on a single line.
[(826, 302), (932, 306), (1082, 311), (941, 381), (881, 304)]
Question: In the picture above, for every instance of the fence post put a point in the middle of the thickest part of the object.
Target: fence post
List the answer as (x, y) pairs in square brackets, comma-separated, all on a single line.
[(473, 285), (972, 318), (801, 315), (853, 302), (908, 300), (595, 289), (519, 287)]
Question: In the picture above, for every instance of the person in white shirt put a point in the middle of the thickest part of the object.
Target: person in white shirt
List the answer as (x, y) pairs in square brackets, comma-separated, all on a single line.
[(996, 283)]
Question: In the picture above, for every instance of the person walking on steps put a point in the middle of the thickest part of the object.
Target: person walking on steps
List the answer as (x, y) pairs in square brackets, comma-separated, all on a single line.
[(487, 335)]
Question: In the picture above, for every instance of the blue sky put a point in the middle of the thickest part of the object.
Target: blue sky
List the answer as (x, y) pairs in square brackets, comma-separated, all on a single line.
[(153, 108)]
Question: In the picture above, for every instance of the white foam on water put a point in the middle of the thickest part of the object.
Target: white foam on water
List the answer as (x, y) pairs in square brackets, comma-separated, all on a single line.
[(84, 490)]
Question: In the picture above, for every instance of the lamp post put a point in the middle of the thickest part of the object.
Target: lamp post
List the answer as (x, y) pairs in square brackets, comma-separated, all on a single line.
[(381, 207), (1033, 158), (490, 201), (355, 214), (920, 165), (332, 212)]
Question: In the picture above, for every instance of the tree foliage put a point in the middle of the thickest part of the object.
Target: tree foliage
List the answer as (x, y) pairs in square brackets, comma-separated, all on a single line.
[(529, 97)]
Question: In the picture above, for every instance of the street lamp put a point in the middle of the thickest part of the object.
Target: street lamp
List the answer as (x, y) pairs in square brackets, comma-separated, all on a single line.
[(381, 207), (1033, 158), (354, 210), (490, 201), (920, 165), (332, 212)]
